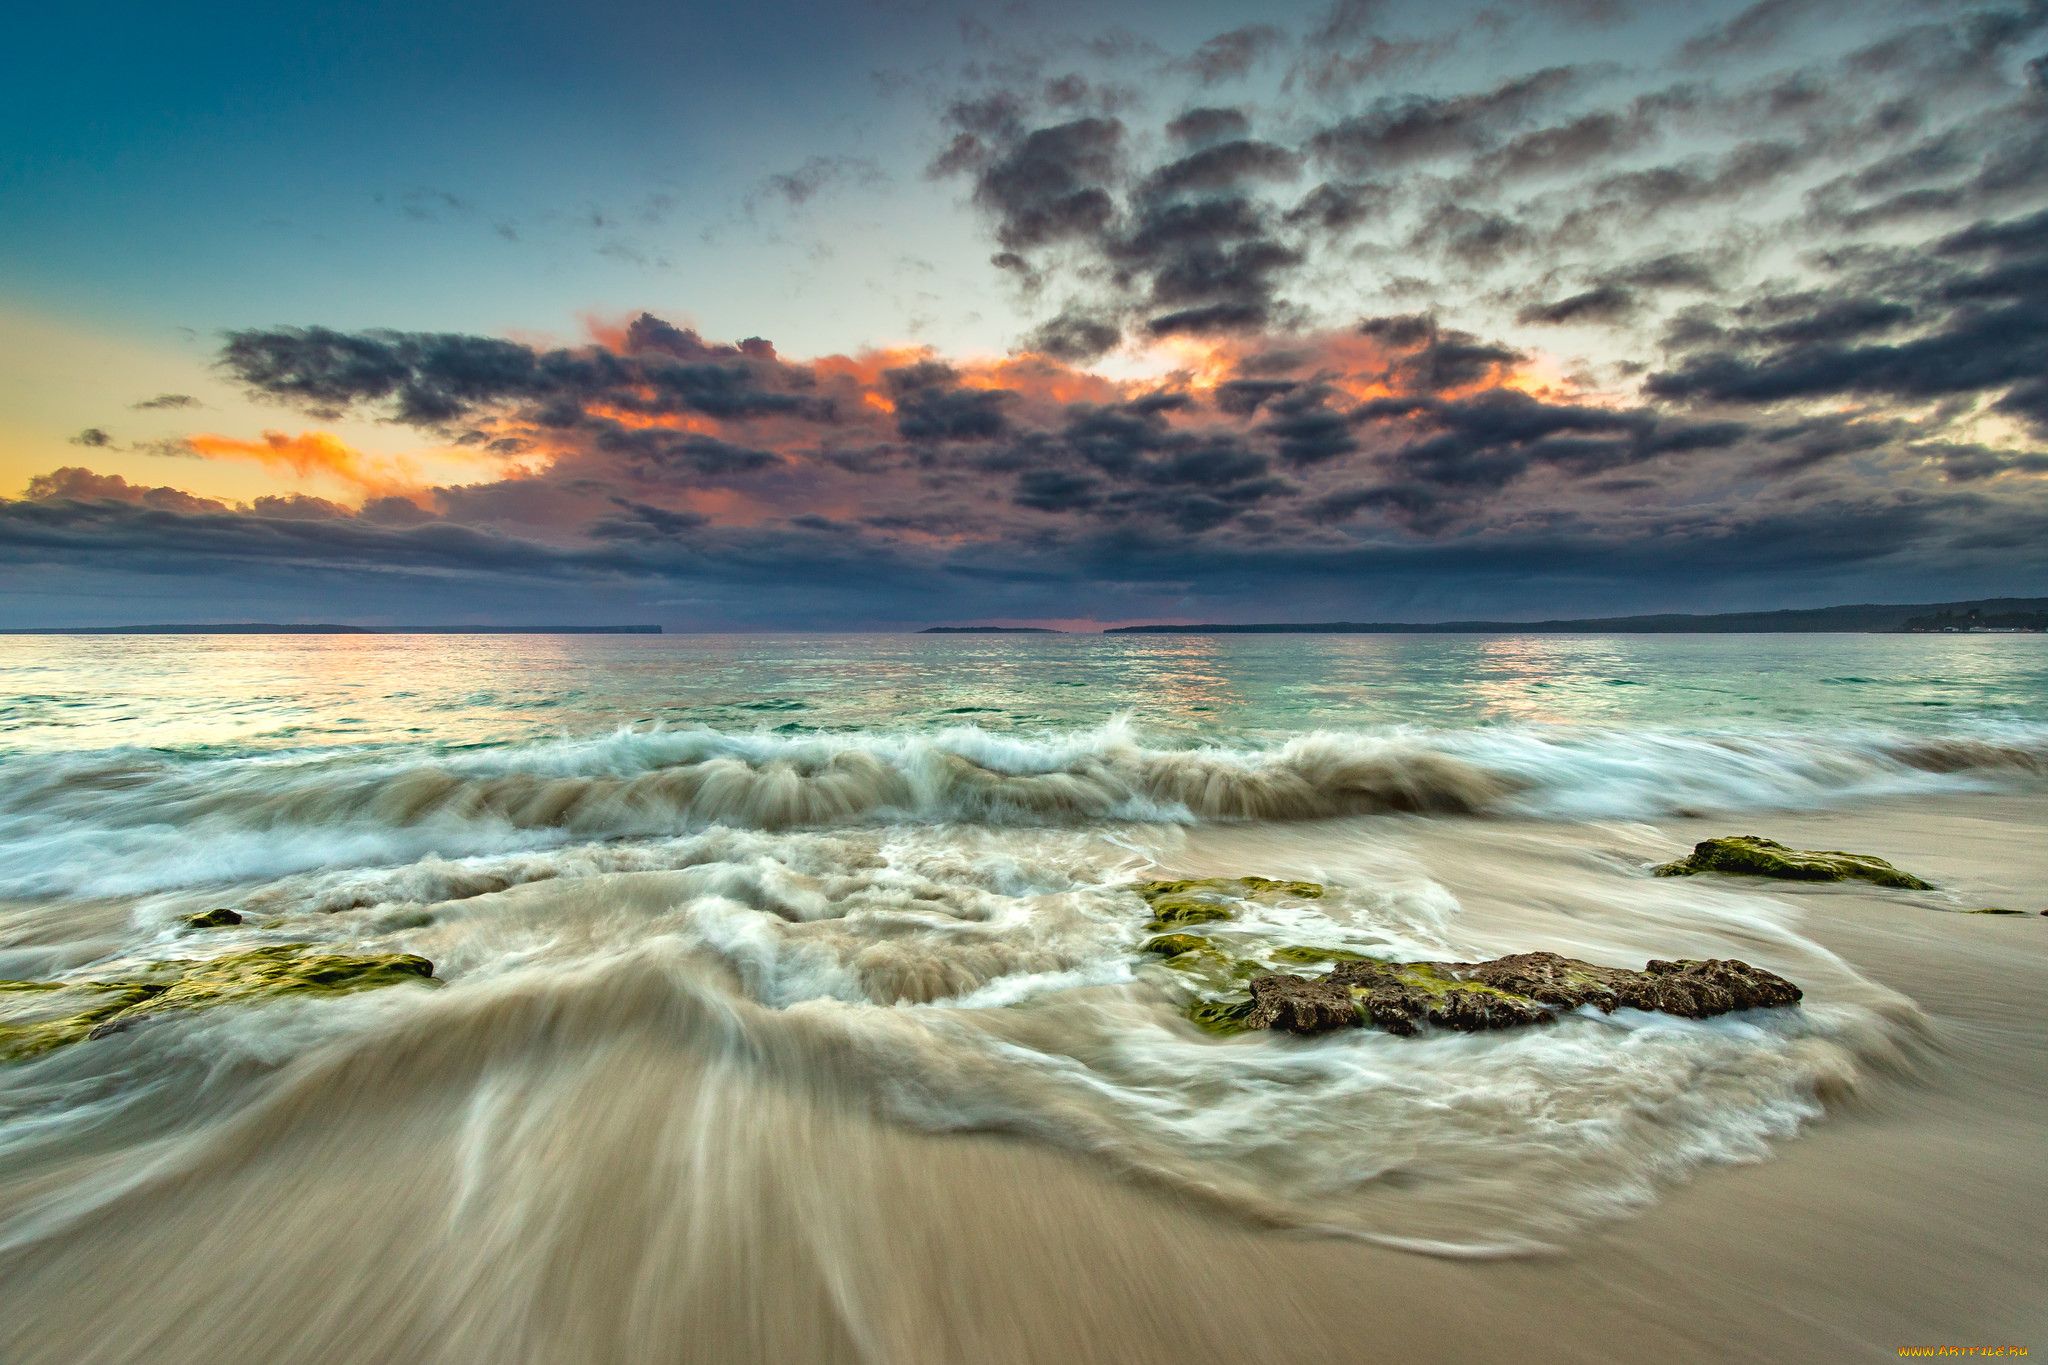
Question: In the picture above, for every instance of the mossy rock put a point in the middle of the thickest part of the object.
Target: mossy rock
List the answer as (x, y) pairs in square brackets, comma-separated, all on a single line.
[(1221, 1016), (1222, 980), (1751, 855), (1234, 888), (213, 919), (1266, 886), (1314, 955), (1204, 900), (1994, 910), (36, 1016), (1167, 945), (1186, 910), (1506, 992)]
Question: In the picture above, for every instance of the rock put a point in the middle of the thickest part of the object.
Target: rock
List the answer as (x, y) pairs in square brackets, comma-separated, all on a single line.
[(36, 1016), (1170, 945), (1750, 855), (1206, 899), (213, 919), (1402, 996), (1507, 992), (1997, 910), (1301, 1004)]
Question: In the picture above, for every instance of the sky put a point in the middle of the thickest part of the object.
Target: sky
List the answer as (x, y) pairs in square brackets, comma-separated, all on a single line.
[(886, 313)]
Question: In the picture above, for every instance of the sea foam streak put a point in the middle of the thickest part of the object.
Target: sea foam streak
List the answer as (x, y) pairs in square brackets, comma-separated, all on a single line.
[(970, 978), (130, 821)]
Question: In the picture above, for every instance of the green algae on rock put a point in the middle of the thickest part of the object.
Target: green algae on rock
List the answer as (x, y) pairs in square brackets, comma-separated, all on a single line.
[(1201, 900), (1751, 855), (36, 1016), (1997, 910), (1523, 988), (1168, 945), (1238, 994), (213, 919)]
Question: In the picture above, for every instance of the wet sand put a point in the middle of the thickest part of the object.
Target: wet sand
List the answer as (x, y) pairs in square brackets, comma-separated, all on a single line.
[(690, 1212)]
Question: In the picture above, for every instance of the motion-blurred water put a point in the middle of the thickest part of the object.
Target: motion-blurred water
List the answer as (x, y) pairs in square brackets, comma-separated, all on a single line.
[(676, 881)]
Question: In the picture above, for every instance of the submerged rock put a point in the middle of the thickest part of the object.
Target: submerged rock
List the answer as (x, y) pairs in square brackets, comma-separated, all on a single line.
[(1750, 855), (1172, 945), (213, 919), (1206, 899), (36, 1016)]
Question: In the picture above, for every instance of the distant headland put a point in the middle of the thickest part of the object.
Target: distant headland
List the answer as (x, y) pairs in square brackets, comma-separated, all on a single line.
[(1993, 615), (276, 628)]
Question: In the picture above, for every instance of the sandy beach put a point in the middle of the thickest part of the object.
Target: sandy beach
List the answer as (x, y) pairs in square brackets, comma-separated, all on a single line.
[(334, 1228)]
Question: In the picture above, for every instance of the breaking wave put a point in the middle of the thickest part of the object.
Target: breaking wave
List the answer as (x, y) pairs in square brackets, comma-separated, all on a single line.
[(128, 821)]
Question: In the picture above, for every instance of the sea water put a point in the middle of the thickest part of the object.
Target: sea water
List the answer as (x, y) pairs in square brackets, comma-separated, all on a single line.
[(892, 875)]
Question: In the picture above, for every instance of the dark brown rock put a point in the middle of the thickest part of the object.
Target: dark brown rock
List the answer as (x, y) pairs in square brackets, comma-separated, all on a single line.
[(1506, 992), (1401, 996), (1301, 1004)]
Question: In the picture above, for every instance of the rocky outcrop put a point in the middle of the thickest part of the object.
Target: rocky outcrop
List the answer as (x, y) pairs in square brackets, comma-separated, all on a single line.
[(213, 919), (1234, 978), (1235, 994), (1751, 855), (36, 1016), (1531, 988)]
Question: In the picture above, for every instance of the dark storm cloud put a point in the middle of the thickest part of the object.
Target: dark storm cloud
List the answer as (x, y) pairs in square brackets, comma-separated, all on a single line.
[(434, 378), (1305, 428), (1075, 336), (1494, 437), (1982, 331), (1052, 183), (931, 404), (657, 453)]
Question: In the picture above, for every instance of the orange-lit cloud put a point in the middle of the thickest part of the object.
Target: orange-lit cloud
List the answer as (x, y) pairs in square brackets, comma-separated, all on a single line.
[(313, 454)]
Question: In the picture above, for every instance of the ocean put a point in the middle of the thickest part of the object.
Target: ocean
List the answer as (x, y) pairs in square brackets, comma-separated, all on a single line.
[(671, 885)]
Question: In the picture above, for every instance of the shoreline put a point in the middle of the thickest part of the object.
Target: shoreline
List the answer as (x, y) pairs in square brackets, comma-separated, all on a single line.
[(1909, 1216)]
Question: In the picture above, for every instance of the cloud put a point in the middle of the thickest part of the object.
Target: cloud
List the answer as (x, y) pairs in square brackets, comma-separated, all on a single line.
[(1532, 325), (316, 453), (1232, 55), (75, 484), (167, 401), (1399, 129)]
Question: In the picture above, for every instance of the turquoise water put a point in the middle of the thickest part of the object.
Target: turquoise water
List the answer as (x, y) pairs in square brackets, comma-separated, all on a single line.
[(270, 692)]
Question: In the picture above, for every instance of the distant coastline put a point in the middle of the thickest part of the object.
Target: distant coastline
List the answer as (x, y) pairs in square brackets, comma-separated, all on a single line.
[(275, 628), (1995, 615), (990, 630)]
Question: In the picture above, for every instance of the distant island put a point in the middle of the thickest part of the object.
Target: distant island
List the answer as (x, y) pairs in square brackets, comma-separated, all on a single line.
[(1989, 615), (276, 628), (990, 630)]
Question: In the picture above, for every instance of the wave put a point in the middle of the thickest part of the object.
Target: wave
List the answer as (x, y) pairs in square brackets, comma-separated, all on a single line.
[(130, 821), (1459, 1144)]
